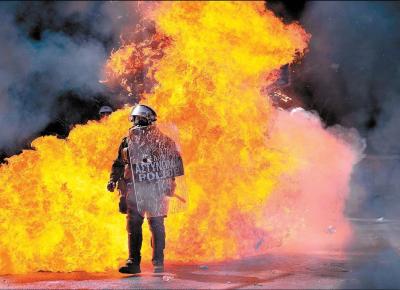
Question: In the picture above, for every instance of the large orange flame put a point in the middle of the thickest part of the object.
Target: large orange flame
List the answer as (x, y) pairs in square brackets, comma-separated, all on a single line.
[(249, 170)]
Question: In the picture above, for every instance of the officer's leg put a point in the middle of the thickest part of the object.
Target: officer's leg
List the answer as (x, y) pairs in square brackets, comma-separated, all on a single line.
[(135, 237), (158, 241), (134, 228)]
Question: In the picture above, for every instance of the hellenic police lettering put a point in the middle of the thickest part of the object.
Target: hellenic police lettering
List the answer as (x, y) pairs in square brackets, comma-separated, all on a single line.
[(152, 171)]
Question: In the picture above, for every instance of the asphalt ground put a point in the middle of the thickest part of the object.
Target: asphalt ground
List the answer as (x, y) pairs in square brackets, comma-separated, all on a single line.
[(276, 270)]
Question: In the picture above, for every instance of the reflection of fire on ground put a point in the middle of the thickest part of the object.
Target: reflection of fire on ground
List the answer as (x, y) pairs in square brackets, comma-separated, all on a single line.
[(248, 193)]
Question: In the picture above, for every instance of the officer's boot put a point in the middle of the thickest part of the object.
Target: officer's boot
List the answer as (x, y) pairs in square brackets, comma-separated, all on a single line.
[(135, 244), (130, 268), (157, 243)]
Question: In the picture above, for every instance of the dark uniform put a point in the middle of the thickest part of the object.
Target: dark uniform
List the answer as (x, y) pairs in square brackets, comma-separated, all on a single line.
[(121, 173), (145, 143)]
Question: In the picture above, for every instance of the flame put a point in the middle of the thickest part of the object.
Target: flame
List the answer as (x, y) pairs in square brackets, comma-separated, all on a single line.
[(249, 169), (55, 214), (131, 67)]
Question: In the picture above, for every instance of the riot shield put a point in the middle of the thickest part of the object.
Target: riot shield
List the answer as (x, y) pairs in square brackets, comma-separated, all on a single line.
[(157, 170)]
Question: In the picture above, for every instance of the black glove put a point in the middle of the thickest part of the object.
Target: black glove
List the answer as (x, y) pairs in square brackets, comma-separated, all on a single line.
[(111, 186)]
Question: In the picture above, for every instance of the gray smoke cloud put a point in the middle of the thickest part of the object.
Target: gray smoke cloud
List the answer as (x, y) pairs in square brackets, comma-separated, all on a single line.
[(353, 66), (352, 71), (52, 49)]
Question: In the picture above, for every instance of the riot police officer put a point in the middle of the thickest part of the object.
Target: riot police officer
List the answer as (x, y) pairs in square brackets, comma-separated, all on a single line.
[(143, 118), (105, 111)]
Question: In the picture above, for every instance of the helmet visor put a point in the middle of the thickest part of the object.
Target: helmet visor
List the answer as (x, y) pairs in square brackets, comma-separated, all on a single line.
[(140, 121), (103, 114)]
